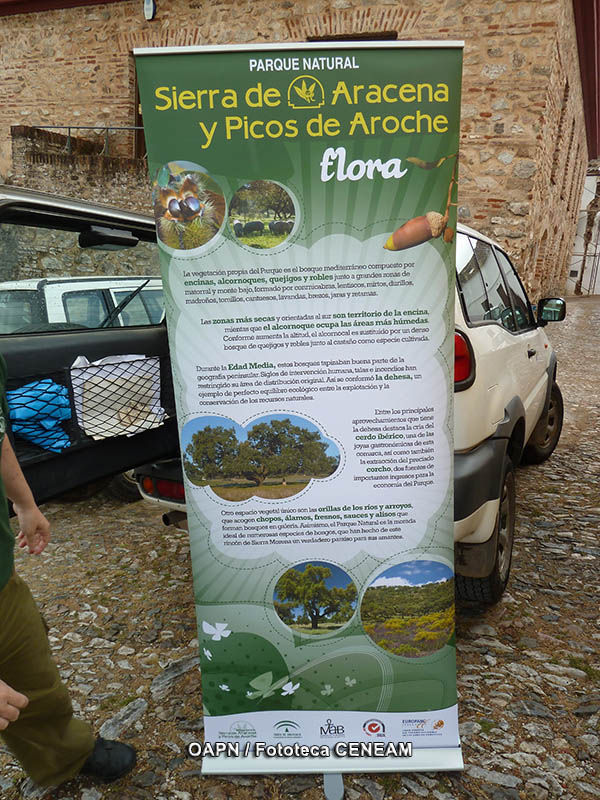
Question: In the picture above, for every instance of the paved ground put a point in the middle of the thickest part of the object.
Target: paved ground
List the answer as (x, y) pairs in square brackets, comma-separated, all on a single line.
[(115, 587)]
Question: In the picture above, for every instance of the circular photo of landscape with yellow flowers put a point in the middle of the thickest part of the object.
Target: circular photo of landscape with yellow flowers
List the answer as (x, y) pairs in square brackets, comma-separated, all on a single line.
[(408, 610), (189, 206)]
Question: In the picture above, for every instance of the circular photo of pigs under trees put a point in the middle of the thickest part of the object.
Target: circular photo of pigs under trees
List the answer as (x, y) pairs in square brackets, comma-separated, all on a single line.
[(262, 214)]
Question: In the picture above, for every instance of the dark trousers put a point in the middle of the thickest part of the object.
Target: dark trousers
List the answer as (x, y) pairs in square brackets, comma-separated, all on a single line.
[(48, 741)]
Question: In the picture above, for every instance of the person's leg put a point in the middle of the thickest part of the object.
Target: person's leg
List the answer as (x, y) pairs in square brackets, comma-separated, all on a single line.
[(50, 743)]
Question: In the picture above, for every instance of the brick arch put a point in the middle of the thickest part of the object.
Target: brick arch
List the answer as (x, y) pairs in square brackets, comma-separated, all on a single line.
[(160, 37), (369, 20)]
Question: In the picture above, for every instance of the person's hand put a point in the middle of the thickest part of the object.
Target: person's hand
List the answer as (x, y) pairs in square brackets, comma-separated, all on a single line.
[(34, 530), (11, 703)]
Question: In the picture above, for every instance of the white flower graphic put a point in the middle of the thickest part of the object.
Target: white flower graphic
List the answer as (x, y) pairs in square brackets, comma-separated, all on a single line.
[(208, 654), (289, 688), (349, 681), (217, 631), (224, 688), (327, 690)]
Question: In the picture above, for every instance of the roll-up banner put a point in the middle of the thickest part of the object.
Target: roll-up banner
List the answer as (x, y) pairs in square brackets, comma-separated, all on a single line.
[(305, 204)]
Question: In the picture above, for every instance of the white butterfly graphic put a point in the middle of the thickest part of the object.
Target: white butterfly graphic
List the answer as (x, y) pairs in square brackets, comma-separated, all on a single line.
[(217, 631)]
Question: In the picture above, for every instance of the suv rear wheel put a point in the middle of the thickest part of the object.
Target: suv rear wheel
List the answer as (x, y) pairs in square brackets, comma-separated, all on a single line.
[(546, 433), (124, 487), (490, 588)]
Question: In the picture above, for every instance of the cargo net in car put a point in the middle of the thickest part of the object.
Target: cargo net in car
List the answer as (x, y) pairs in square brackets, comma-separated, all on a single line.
[(116, 396)]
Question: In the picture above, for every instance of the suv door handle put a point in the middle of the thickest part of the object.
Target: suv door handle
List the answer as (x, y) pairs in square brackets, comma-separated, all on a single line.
[(531, 352)]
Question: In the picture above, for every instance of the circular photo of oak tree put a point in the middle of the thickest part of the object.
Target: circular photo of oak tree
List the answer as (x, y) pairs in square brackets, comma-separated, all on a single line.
[(408, 610), (275, 456), (315, 597), (262, 214), (189, 206)]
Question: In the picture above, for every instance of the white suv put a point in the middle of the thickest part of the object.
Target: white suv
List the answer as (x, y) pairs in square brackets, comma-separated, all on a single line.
[(507, 408), (42, 304)]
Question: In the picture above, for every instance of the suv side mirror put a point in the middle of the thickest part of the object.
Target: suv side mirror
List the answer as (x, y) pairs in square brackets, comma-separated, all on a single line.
[(551, 309)]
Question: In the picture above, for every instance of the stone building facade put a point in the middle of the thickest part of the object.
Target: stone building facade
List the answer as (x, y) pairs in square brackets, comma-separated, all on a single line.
[(523, 142)]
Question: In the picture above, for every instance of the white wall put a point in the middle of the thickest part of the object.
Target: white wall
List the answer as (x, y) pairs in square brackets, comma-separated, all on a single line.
[(592, 264)]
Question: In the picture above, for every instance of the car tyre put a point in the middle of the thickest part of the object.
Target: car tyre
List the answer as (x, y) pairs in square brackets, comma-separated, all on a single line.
[(124, 487), (490, 589), (547, 432)]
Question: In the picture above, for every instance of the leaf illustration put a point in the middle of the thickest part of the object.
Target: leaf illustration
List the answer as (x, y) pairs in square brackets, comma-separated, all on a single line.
[(262, 682), (264, 685), (429, 164)]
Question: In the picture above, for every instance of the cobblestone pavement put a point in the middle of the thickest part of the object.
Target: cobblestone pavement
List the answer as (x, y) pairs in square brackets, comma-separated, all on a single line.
[(115, 588)]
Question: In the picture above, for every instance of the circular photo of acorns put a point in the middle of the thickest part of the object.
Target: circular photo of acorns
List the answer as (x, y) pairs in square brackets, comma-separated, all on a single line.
[(189, 205)]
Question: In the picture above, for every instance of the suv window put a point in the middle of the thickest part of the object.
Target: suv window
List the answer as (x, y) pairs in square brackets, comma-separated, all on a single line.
[(46, 279), (470, 281), (19, 308), (85, 308), (146, 307), (489, 286), (499, 307), (523, 313)]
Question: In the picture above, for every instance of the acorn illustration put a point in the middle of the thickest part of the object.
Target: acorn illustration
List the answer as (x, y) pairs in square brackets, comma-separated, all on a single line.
[(416, 231)]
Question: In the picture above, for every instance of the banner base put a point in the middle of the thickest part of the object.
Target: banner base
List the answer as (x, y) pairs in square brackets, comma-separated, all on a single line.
[(333, 786), (431, 759)]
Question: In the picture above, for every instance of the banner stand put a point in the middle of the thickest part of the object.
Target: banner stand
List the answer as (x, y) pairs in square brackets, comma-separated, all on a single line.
[(423, 759), (306, 212), (333, 786)]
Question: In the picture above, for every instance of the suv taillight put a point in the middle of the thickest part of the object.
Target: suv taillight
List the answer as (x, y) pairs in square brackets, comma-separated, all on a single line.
[(174, 490), (464, 362), (163, 487)]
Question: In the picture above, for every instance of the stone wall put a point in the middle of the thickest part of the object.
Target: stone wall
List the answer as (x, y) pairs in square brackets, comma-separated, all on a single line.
[(523, 149), (40, 160)]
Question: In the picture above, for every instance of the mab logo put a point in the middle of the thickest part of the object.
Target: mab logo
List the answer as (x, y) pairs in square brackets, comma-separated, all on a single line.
[(329, 729)]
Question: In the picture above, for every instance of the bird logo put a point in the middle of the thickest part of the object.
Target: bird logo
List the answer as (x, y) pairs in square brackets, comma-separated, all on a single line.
[(306, 91)]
